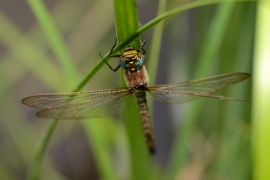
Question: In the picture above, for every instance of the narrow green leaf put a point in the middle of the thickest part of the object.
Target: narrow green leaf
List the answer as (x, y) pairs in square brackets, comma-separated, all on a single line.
[(261, 95), (96, 133), (55, 40), (20, 47), (155, 45), (152, 58), (126, 22), (33, 170), (219, 24)]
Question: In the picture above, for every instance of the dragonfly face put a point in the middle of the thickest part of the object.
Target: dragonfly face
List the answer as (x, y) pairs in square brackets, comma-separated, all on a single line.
[(110, 102), (131, 60)]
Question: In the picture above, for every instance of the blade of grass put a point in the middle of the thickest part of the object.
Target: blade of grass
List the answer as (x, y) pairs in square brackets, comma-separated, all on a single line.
[(34, 168), (261, 96), (31, 52), (55, 40), (213, 39), (126, 22), (96, 133), (233, 116), (155, 44), (20, 47), (62, 54), (152, 58)]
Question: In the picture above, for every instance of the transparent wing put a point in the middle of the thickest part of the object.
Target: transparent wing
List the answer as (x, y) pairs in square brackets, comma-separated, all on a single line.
[(78, 105), (187, 91)]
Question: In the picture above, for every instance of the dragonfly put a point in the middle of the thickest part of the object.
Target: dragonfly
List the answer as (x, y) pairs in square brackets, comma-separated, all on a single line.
[(111, 102)]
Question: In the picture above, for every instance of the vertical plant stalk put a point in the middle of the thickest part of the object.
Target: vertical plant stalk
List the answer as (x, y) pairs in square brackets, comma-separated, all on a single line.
[(155, 45), (55, 40), (214, 40), (154, 52), (126, 22), (261, 95), (34, 168), (98, 131)]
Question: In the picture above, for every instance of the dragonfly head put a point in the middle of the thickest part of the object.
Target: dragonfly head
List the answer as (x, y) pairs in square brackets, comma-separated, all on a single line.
[(131, 59), (130, 53)]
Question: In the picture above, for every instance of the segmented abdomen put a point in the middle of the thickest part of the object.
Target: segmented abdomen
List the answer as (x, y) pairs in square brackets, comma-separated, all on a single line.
[(146, 122)]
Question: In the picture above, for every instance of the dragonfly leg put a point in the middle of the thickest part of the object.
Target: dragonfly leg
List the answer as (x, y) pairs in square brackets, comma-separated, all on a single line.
[(112, 56), (113, 69), (141, 46)]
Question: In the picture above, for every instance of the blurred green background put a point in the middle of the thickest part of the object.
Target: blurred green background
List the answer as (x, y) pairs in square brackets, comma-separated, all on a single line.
[(204, 139)]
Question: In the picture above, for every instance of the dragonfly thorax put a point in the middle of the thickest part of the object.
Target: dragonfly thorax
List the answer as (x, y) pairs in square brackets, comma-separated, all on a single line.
[(132, 59)]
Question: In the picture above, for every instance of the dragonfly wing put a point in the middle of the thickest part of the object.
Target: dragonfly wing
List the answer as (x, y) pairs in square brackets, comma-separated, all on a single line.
[(187, 91), (107, 108), (78, 105)]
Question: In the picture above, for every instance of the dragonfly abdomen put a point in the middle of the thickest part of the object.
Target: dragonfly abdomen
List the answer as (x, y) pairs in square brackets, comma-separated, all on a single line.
[(146, 122)]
